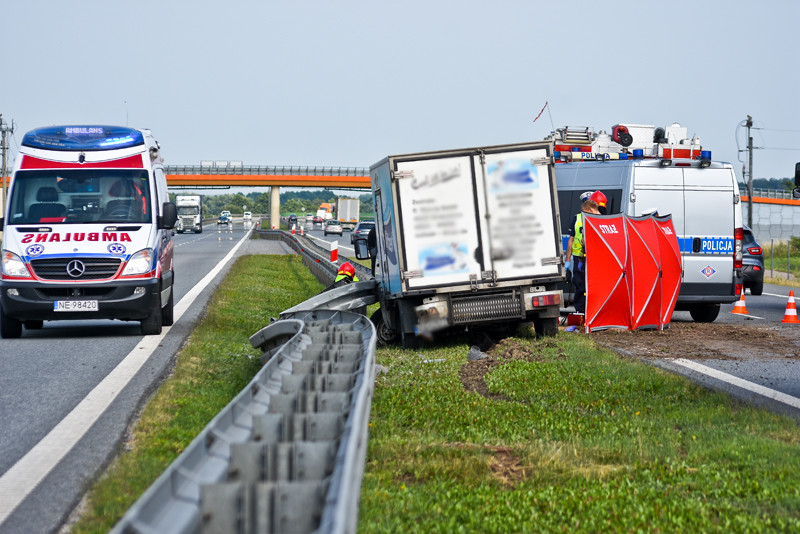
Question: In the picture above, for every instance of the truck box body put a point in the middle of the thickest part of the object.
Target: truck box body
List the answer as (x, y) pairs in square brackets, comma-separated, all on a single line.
[(347, 212), (467, 236), (87, 230), (190, 213)]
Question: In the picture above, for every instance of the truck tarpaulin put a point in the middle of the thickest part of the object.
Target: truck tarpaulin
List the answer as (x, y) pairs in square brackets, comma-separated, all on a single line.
[(633, 271)]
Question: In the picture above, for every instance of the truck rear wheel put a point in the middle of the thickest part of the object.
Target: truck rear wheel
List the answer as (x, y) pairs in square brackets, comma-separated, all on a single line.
[(704, 313), (9, 327), (545, 326), (151, 325)]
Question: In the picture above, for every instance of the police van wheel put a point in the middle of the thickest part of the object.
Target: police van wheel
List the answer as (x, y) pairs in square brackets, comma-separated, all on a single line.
[(151, 325), (9, 327), (704, 313)]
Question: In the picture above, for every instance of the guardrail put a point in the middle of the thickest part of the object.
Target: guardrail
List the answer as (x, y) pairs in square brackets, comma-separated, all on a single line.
[(287, 454)]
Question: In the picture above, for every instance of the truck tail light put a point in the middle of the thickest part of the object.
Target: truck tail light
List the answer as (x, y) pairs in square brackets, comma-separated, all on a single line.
[(738, 246), (546, 300)]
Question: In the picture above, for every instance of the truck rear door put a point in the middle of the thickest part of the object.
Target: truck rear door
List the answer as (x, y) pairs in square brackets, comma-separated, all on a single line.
[(479, 216)]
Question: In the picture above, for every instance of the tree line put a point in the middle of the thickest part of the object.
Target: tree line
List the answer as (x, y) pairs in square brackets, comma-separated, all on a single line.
[(296, 202)]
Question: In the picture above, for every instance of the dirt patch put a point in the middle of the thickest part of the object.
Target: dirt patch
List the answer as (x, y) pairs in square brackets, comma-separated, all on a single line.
[(681, 340)]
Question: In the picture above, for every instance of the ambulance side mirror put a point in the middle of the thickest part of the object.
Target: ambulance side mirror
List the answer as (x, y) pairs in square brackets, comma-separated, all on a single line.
[(169, 216)]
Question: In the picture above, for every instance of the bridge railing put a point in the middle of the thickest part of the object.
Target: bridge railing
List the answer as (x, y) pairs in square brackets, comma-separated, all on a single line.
[(269, 170)]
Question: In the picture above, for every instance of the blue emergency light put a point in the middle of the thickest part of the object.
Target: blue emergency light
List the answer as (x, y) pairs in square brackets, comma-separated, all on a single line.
[(83, 138)]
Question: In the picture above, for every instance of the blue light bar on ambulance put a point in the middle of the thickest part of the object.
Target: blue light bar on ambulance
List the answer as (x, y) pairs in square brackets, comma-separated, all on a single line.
[(83, 138)]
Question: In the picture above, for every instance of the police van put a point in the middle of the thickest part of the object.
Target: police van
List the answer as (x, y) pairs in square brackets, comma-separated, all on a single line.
[(643, 169), (87, 230)]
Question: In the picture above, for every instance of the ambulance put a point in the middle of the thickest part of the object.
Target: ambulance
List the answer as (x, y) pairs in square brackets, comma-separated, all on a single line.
[(87, 230), (642, 169)]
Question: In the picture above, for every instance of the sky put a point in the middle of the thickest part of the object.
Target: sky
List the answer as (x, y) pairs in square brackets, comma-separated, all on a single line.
[(349, 82)]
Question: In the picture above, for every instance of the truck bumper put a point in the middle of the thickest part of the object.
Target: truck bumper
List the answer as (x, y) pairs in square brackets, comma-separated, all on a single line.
[(129, 300)]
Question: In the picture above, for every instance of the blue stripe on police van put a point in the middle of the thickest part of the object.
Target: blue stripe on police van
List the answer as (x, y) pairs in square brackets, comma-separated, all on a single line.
[(708, 245)]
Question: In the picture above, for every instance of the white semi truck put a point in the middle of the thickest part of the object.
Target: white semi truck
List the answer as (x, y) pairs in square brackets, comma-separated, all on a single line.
[(347, 212), (466, 237), (190, 213)]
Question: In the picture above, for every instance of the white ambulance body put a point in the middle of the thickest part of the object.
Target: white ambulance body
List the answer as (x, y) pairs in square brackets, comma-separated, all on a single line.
[(87, 230), (643, 169)]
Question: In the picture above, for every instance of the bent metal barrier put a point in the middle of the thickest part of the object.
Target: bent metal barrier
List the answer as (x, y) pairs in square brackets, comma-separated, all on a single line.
[(287, 454)]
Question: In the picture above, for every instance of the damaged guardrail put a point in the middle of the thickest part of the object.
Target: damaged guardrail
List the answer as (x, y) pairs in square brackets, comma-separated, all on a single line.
[(287, 454)]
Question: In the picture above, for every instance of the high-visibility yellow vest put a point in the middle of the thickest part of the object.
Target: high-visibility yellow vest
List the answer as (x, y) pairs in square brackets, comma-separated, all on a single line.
[(577, 241)]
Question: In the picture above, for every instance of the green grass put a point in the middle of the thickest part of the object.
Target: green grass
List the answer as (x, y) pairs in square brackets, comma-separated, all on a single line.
[(574, 439), (214, 366)]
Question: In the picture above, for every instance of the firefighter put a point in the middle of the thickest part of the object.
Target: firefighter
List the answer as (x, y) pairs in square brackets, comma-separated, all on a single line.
[(576, 252), (601, 201), (345, 275)]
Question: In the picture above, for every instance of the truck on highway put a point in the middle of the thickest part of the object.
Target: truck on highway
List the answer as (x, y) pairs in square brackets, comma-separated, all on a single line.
[(347, 212), (190, 213), (87, 230), (642, 169), (466, 237)]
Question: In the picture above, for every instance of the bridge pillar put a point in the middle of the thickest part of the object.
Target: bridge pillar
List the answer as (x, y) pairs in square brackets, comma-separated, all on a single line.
[(275, 207)]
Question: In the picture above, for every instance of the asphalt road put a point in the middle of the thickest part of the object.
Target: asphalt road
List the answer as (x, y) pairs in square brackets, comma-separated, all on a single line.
[(47, 373)]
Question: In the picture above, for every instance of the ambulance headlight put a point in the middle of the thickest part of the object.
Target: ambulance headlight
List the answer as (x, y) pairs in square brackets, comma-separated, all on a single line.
[(140, 263), (14, 266)]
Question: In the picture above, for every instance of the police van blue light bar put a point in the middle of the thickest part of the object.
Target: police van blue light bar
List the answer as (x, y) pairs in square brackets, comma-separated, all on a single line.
[(705, 158), (83, 138)]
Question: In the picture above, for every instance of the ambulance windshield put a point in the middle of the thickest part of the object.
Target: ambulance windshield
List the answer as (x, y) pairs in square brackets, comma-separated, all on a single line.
[(73, 196)]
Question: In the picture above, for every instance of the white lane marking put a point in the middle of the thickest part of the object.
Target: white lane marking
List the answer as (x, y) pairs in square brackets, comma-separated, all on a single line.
[(23, 477), (786, 296), (794, 402)]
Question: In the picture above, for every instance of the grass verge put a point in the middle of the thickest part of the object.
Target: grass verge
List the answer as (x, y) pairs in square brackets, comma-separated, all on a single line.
[(569, 438), (216, 363)]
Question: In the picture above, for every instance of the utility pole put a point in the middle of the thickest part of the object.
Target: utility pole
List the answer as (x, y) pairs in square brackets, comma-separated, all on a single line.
[(4, 129), (749, 125)]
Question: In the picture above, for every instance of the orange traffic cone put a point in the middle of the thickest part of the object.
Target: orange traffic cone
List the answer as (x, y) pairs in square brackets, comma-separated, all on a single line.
[(791, 310), (739, 307)]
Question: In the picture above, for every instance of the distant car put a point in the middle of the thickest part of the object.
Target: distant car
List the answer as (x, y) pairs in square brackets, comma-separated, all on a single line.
[(224, 219), (752, 263), (333, 227), (362, 230), (292, 219), (247, 216), (227, 213), (317, 219)]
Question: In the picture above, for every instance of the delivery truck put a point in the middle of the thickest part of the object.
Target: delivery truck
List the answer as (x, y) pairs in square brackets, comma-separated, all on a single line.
[(87, 231), (466, 237), (347, 212)]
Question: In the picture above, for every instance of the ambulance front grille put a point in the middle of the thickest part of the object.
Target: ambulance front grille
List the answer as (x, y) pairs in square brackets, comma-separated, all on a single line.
[(477, 308), (91, 268)]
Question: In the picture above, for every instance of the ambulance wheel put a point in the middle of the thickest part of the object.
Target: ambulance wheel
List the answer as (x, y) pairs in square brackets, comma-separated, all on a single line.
[(704, 313), (167, 312), (151, 325), (386, 335), (34, 324), (9, 327), (545, 326)]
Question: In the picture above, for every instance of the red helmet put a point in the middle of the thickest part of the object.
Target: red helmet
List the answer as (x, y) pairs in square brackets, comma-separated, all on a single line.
[(599, 198), (347, 269)]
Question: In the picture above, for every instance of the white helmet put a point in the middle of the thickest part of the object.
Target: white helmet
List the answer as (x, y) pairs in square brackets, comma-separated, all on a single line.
[(585, 196)]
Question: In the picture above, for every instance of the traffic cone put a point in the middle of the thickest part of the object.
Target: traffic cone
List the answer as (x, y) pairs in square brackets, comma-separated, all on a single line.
[(302, 230), (739, 307), (790, 316)]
